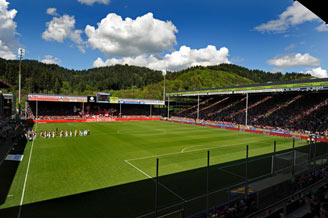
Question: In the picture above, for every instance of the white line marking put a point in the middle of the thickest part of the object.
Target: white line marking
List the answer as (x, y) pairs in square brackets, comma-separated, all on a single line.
[(192, 147), (126, 161), (182, 151), (28, 168)]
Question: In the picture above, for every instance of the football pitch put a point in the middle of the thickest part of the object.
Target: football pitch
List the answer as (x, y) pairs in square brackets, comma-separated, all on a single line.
[(111, 172)]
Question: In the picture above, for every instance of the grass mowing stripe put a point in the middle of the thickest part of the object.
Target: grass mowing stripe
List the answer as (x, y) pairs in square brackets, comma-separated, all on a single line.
[(26, 174)]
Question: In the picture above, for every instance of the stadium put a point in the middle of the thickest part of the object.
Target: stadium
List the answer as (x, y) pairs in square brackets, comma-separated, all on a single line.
[(204, 150), (242, 149)]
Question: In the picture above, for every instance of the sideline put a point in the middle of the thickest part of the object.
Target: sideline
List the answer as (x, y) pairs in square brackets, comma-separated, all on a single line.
[(26, 174)]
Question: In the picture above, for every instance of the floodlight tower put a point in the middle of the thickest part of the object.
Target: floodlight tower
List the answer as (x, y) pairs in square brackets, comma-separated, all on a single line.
[(21, 53), (164, 74)]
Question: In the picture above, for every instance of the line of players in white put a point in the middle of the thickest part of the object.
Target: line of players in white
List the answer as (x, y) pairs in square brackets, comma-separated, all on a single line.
[(32, 135), (62, 133)]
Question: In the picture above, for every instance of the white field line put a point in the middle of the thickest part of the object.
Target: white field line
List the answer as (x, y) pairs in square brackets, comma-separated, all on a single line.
[(126, 161), (26, 174), (147, 175), (182, 151)]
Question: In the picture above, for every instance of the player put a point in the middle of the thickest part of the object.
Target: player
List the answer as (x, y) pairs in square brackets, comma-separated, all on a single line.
[(41, 133), (66, 133), (75, 133), (70, 133), (34, 135)]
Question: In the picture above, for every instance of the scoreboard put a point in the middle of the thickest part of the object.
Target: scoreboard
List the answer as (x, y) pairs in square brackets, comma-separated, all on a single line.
[(103, 97)]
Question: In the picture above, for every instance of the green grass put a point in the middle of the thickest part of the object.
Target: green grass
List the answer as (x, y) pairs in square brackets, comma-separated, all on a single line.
[(111, 168)]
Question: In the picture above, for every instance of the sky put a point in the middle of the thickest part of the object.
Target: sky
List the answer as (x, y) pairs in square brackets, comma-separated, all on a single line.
[(168, 35)]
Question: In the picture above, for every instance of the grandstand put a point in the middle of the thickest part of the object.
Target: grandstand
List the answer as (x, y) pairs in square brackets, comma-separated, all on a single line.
[(61, 107), (294, 106)]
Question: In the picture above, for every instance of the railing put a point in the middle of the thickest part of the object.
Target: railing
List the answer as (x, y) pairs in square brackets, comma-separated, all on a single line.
[(243, 177)]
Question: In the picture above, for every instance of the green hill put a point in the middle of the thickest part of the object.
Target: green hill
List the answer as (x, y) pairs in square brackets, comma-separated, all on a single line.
[(129, 81)]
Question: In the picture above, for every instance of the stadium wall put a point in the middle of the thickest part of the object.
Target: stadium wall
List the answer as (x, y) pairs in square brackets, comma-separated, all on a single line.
[(242, 128)]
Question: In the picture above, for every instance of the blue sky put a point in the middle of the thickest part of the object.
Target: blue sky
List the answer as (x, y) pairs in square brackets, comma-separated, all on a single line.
[(271, 35)]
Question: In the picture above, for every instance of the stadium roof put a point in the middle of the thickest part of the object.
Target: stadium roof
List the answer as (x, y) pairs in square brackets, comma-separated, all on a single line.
[(4, 84), (298, 85)]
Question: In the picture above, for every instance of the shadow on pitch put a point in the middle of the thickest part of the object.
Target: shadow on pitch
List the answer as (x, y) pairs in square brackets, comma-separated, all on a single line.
[(138, 198), (8, 168)]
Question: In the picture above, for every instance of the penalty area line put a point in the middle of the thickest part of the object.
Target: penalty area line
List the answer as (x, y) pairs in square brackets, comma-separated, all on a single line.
[(126, 161), (26, 175), (147, 175)]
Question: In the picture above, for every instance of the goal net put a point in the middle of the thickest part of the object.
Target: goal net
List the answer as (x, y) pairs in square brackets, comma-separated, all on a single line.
[(285, 161)]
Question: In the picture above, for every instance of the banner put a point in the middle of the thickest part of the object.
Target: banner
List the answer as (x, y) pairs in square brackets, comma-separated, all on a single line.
[(114, 100), (56, 98), (140, 101)]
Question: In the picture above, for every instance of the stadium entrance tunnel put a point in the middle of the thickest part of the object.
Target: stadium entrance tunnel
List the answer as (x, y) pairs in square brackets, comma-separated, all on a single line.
[(183, 191)]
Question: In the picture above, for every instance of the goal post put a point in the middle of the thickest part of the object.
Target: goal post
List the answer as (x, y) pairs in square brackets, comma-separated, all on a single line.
[(284, 162)]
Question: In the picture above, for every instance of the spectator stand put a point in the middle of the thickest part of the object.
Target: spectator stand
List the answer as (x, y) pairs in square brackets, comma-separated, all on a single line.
[(61, 108), (297, 106)]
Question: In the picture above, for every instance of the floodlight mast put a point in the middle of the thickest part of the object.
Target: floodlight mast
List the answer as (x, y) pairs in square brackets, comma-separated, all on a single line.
[(21, 53), (164, 74)]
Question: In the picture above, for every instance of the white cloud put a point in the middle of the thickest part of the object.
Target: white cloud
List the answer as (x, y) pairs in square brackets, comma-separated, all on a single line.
[(52, 11), (91, 2), (60, 28), (322, 28), (8, 42), (177, 60), (143, 36), (293, 15), (318, 72), (5, 52), (49, 59), (294, 60)]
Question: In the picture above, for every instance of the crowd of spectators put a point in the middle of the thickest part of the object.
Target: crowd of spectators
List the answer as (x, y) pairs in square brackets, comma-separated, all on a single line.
[(312, 201), (304, 113), (236, 209)]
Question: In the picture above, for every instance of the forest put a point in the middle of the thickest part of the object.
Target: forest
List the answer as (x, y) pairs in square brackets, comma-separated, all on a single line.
[(129, 81)]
